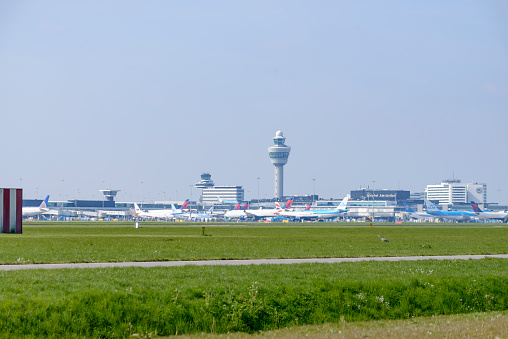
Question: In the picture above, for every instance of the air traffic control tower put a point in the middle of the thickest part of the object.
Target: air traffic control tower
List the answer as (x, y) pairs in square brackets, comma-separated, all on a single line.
[(279, 155)]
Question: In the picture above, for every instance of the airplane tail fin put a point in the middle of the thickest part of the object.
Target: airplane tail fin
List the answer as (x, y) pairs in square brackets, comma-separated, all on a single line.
[(430, 206), (246, 206), (173, 207), (277, 205), (185, 204), (210, 210), (289, 203), (408, 209), (137, 210), (343, 204), (238, 206), (476, 208), (308, 207), (44, 204), (219, 199)]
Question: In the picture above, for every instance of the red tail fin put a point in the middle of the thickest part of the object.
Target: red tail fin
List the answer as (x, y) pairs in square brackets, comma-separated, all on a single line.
[(289, 203)]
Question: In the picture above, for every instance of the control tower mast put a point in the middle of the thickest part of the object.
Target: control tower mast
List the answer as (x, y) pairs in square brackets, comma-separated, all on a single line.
[(279, 155)]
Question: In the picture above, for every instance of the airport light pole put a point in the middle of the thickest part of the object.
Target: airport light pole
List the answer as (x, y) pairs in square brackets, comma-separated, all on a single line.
[(373, 181), (141, 194), (258, 191), (313, 190)]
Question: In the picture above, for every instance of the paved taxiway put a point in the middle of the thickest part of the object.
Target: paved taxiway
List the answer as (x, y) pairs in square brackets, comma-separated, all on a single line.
[(243, 262)]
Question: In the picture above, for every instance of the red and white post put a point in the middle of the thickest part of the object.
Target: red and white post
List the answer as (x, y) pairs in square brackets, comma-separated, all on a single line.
[(11, 210)]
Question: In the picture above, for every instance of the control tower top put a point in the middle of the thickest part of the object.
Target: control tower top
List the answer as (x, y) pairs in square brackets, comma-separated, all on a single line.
[(110, 194), (206, 181), (279, 153), (279, 139)]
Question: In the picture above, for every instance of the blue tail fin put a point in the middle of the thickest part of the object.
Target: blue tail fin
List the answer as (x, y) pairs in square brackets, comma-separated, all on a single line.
[(44, 204), (408, 209)]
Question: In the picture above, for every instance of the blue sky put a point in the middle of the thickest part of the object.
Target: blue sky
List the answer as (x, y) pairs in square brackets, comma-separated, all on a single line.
[(393, 94)]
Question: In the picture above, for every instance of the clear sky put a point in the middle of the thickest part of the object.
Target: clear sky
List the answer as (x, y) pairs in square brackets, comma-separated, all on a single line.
[(390, 94)]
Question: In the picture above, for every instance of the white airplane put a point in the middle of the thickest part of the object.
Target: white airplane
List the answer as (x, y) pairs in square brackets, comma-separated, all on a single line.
[(33, 211), (417, 215), (265, 213), (183, 209), (154, 214), (237, 213), (318, 214), (486, 215), (195, 215)]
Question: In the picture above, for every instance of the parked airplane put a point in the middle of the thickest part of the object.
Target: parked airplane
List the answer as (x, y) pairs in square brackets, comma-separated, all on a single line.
[(317, 214), (227, 201), (237, 213), (450, 215), (33, 211), (486, 215), (417, 215), (155, 214), (195, 215), (265, 213), (183, 209)]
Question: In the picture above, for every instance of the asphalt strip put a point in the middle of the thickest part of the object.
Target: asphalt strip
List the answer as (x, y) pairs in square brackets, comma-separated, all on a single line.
[(243, 262)]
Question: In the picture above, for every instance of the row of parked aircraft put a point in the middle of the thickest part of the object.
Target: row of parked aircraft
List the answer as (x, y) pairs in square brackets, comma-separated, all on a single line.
[(287, 212), (433, 212)]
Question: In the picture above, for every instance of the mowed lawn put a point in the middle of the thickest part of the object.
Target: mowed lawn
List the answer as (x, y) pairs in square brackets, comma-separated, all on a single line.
[(111, 242), (118, 302)]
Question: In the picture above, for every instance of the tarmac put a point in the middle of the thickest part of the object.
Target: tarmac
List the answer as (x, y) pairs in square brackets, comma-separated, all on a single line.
[(242, 262)]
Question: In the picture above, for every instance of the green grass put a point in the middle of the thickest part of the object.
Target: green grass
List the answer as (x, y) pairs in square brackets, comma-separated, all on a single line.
[(106, 242), (117, 302), (470, 325)]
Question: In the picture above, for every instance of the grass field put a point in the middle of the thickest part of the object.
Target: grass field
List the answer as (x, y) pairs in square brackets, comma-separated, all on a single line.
[(470, 325), (118, 302), (106, 242)]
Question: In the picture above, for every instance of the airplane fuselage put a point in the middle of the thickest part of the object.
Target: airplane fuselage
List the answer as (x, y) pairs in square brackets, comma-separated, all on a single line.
[(33, 211)]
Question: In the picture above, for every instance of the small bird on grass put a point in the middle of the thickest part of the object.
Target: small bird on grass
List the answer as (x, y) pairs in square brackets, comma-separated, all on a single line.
[(383, 239)]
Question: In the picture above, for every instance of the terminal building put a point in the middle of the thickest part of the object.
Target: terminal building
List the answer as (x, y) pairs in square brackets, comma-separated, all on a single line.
[(213, 195), (453, 191), (216, 194), (382, 194)]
